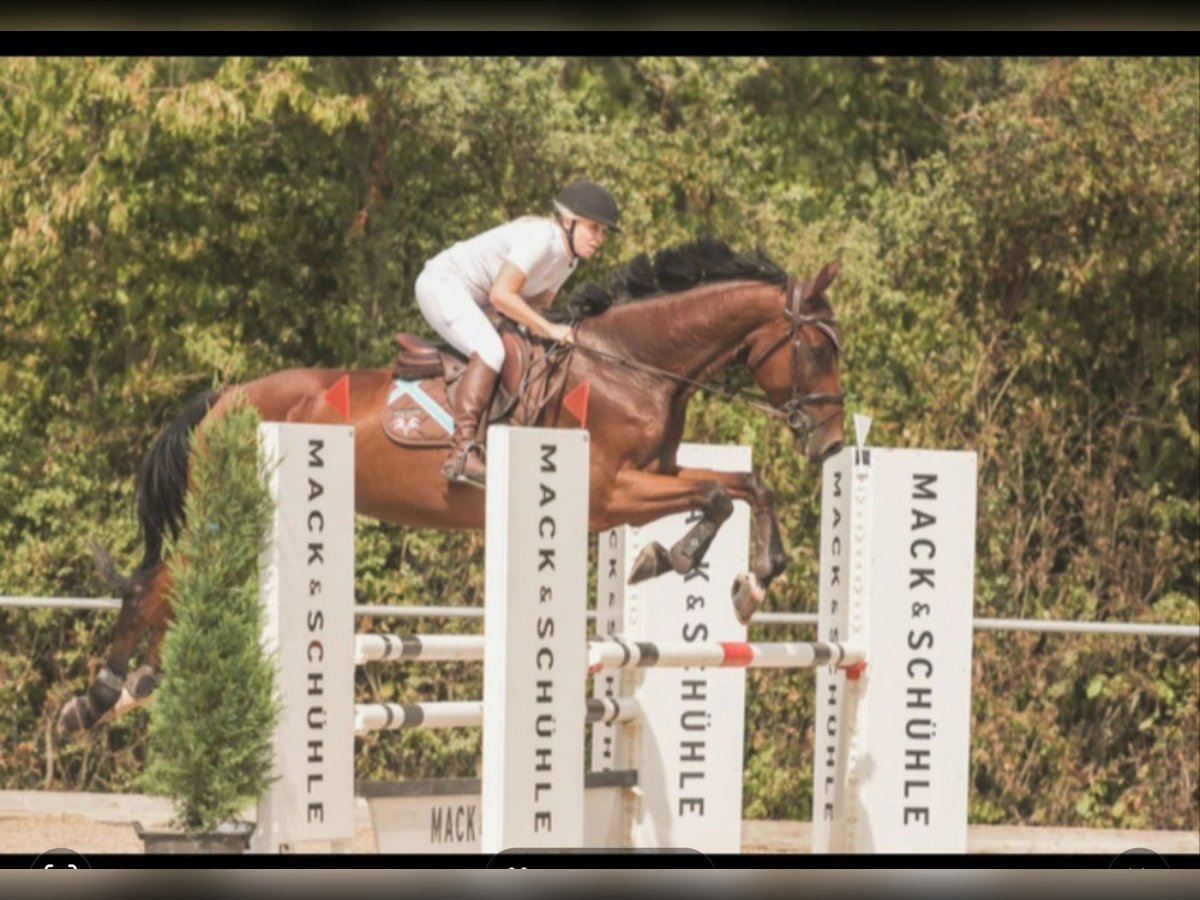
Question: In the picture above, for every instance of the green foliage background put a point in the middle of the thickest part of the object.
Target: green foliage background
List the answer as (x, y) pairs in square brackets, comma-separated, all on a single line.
[(1020, 246)]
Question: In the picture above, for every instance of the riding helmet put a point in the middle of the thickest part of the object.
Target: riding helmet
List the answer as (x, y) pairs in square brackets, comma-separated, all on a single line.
[(590, 201)]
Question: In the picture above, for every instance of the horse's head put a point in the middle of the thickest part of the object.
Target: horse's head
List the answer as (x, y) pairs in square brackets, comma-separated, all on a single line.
[(795, 361)]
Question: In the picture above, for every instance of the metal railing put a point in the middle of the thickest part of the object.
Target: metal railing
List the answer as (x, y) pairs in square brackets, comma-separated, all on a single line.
[(1129, 629)]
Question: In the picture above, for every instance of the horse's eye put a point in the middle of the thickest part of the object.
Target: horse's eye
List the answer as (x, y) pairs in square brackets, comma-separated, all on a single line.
[(822, 355)]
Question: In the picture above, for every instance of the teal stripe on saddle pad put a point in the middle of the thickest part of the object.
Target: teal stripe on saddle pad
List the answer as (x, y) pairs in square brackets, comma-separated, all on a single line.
[(427, 403)]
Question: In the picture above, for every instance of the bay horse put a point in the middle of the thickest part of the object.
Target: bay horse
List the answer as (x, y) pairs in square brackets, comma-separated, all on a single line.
[(699, 310)]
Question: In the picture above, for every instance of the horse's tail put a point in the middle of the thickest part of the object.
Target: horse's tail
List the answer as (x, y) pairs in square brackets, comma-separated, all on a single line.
[(162, 481)]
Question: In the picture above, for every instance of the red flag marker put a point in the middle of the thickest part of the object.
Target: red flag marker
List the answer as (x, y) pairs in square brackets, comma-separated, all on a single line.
[(576, 402), (338, 396)]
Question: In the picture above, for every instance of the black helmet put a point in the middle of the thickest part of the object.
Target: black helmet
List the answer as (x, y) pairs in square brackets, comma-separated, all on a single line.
[(590, 201)]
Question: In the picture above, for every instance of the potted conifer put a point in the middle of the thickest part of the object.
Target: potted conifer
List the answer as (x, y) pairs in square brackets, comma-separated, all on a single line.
[(216, 708)]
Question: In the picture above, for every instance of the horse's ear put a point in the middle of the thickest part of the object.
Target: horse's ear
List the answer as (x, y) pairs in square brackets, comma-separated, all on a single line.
[(826, 275)]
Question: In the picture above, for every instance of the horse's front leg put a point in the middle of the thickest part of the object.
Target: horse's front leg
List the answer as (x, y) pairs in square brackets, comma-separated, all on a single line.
[(642, 497), (768, 559)]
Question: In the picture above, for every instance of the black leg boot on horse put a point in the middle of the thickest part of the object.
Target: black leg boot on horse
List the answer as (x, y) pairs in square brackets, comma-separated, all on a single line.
[(466, 464)]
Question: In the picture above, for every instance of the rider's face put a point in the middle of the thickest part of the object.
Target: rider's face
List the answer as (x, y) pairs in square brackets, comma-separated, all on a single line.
[(589, 237)]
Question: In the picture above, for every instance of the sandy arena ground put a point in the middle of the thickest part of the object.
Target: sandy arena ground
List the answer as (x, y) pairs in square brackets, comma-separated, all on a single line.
[(33, 822)]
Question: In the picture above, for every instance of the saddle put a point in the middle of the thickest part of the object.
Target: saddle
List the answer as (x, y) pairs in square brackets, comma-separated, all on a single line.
[(425, 379)]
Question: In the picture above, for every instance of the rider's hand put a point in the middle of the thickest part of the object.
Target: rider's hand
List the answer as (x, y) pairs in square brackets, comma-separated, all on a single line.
[(560, 333)]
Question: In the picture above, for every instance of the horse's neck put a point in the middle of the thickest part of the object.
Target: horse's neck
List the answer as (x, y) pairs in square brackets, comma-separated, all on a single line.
[(693, 334)]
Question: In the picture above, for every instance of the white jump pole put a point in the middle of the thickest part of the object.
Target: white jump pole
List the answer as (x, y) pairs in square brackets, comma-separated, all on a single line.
[(430, 648), (897, 576), (467, 714), (307, 590)]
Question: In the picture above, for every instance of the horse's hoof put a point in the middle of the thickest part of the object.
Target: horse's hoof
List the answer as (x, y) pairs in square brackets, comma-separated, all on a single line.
[(128, 701), (748, 595), (651, 562), (142, 682), (76, 715)]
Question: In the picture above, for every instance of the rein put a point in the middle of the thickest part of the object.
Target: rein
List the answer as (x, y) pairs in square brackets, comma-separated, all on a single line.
[(793, 412), (732, 393)]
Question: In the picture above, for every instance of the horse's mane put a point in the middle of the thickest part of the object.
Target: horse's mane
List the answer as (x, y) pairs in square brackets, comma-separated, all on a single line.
[(675, 269)]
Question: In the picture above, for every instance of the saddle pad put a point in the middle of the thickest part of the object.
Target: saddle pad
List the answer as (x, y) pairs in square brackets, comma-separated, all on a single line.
[(418, 413)]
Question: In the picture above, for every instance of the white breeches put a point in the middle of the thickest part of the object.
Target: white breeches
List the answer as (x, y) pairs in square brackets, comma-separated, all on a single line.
[(449, 307)]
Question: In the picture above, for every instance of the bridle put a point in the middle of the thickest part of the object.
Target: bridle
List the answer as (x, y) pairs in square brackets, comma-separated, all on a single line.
[(799, 420)]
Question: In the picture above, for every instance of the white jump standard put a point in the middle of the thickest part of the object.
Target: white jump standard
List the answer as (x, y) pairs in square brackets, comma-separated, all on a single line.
[(890, 772), (307, 590)]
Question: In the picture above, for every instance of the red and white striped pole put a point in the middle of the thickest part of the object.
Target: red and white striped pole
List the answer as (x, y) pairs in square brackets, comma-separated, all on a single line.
[(617, 653)]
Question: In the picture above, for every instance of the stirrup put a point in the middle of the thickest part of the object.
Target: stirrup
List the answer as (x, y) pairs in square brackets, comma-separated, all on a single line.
[(455, 470)]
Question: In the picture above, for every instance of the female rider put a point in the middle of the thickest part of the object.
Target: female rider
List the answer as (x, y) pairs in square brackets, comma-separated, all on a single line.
[(518, 269)]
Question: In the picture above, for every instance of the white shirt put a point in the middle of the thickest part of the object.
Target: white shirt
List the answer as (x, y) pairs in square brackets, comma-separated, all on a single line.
[(534, 245)]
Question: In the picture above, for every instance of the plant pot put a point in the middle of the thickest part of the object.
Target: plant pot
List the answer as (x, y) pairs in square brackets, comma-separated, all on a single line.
[(232, 837)]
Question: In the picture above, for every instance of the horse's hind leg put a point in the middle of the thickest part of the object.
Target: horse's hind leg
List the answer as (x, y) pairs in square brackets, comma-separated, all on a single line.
[(143, 607)]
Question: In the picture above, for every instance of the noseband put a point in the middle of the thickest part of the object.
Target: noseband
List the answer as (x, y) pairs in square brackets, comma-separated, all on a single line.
[(798, 418)]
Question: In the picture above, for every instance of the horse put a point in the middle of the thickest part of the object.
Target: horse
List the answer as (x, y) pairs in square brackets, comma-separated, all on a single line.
[(689, 315)]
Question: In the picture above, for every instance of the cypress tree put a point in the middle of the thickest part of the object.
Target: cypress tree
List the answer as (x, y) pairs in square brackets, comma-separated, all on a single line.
[(216, 708)]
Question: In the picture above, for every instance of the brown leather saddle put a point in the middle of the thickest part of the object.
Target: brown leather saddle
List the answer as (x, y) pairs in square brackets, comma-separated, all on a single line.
[(425, 385)]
